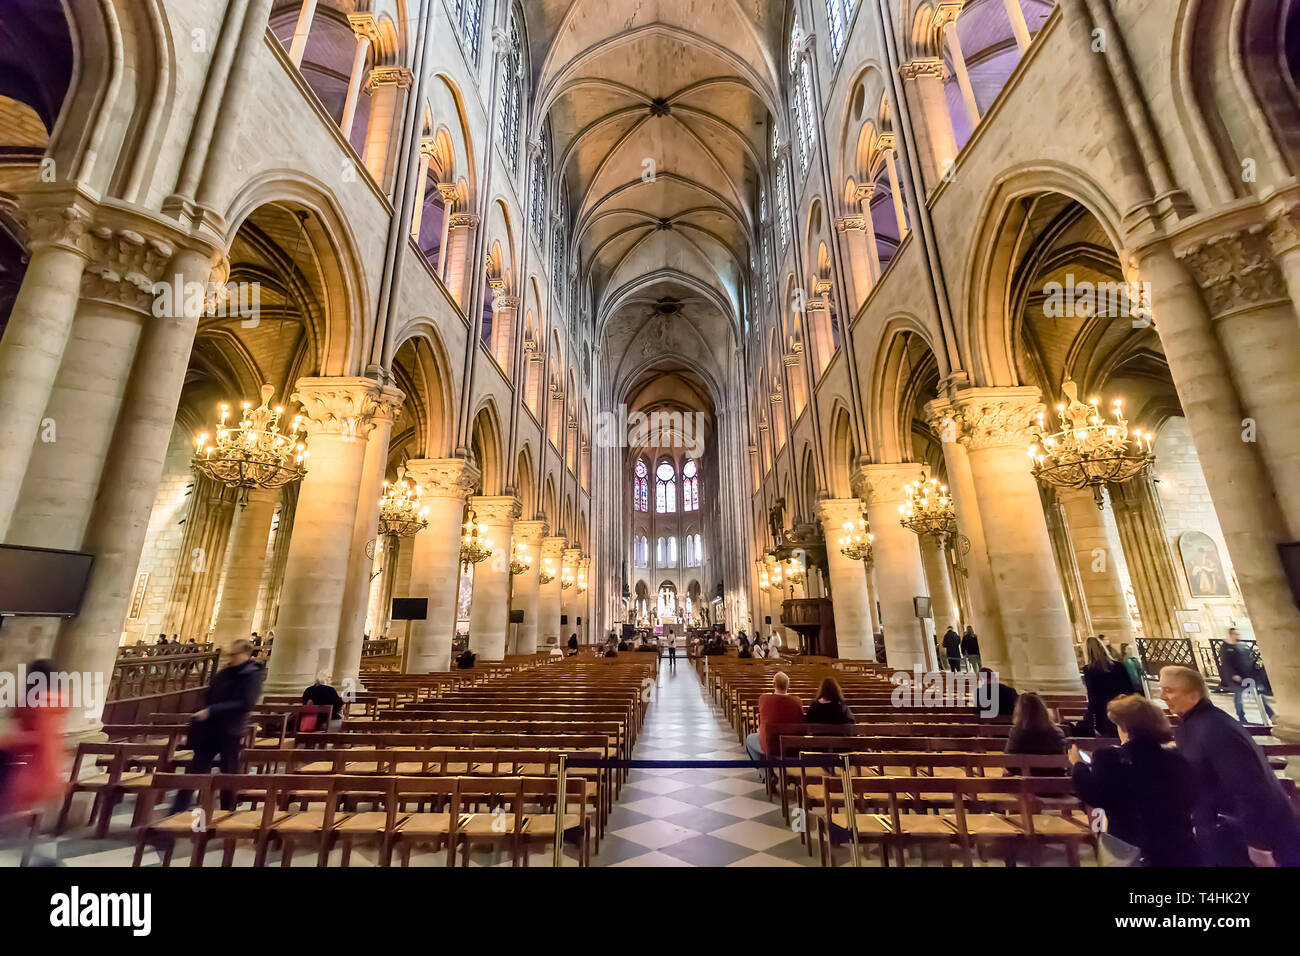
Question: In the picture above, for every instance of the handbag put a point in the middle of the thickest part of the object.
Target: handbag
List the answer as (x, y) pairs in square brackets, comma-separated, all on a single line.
[(1112, 851)]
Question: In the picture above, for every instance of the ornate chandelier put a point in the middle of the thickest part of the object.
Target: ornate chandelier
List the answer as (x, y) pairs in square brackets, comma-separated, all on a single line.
[(928, 509), (764, 580), (520, 560), (582, 577), (547, 574), (855, 544), (1088, 452), (256, 453), (474, 545), (400, 512), (566, 579)]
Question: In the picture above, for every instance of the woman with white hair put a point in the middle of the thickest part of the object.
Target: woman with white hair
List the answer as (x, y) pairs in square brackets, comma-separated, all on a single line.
[(323, 694)]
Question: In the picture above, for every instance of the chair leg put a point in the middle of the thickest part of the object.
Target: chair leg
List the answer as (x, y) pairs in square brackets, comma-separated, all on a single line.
[(30, 847), (63, 813), (228, 853), (107, 803)]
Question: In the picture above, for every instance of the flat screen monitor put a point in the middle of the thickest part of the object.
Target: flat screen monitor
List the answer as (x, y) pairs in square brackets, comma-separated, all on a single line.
[(40, 582), (410, 609)]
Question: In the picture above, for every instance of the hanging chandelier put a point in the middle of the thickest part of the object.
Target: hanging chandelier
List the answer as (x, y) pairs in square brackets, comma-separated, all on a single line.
[(566, 579), (1088, 452), (855, 544), (474, 544), (582, 579), (547, 574), (400, 511), (928, 509), (256, 453), (520, 561), (764, 579)]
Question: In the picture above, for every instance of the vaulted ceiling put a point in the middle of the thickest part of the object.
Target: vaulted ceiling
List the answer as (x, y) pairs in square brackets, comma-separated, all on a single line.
[(660, 112)]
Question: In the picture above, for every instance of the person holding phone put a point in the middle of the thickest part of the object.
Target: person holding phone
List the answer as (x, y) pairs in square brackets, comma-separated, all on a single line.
[(1147, 789)]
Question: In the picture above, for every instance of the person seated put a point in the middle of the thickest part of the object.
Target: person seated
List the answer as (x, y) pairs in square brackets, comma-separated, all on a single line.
[(573, 641), (829, 707), (623, 645), (1032, 732), (322, 694), (1000, 695), (758, 651), (610, 652), (1147, 789), (465, 659), (774, 709)]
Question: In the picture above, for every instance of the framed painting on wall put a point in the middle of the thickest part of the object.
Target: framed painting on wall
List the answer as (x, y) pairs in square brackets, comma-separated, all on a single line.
[(1205, 574)]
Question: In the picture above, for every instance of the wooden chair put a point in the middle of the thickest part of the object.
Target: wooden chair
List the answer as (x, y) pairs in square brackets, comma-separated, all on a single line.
[(114, 782), (540, 826), (434, 822), (501, 825)]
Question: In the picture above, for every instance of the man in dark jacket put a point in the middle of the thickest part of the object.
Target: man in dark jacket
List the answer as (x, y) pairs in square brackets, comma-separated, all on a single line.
[(1240, 803), (218, 729), (970, 648), (1237, 668), (952, 648)]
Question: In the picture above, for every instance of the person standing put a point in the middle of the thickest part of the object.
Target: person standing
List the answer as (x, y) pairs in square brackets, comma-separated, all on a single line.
[(1104, 680), (217, 730), (952, 648), (1132, 665), (1237, 668), (672, 650), (1240, 803), (1147, 789), (970, 648)]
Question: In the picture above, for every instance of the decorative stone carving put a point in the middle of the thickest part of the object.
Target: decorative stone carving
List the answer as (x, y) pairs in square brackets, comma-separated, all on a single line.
[(987, 417), (922, 66), (463, 220), (444, 478), (1284, 230), (1236, 271), (531, 533), (887, 483), (495, 509), (398, 76), (123, 266), (850, 223), (552, 548), (345, 406), (47, 226), (837, 512)]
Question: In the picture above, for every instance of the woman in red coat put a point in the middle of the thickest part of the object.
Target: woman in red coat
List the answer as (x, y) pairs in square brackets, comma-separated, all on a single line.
[(34, 748)]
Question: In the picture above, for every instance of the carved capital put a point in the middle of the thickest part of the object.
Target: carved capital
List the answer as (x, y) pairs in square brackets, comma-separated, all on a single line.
[(495, 509), (531, 533), (886, 484), (1236, 271), (922, 66), (988, 417), (851, 224), (888, 141), (835, 513), (123, 267), (572, 558), (448, 191), (345, 406), (463, 220), (398, 76), (553, 548), (363, 25), (57, 226), (947, 12), (444, 478), (1284, 230), (503, 303)]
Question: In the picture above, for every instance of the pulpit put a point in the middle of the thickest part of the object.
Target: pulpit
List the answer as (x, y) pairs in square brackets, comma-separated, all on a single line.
[(814, 621)]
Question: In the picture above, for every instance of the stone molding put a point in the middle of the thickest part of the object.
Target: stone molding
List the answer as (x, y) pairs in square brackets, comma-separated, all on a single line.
[(922, 66), (398, 76), (1284, 230), (463, 220), (851, 223), (444, 478)]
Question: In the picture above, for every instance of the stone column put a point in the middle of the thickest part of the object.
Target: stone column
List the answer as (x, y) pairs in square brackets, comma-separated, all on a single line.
[(925, 77), (385, 409), (942, 603), (68, 453), (896, 194), (456, 255), (548, 612), (381, 584), (489, 609), (1058, 532), (337, 414), (1158, 586), (947, 23), (435, 558), (1245, 499), (898, 570), (865, 193), (363, 25), (851, 228), (120, 516), (386, 85), (1097, 552), (298, 46), (986, 617), (421, 187), (570, 599), (995, 428), (526, 597), (247, 562), (33, 342), (1018, 25), (848, 579)]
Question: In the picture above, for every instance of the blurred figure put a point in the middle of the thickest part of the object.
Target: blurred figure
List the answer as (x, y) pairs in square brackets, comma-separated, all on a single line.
[(1132, 665), (1237, 667), (322, 694), (217, 731), (1148, 790), (996, 695), (970, 648), (32, 774), (1240, 803), (672, 651), (1104, 680), (465, 659), (952, 649)]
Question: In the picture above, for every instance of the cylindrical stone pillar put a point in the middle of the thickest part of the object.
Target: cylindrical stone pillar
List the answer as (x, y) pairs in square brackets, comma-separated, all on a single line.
[(1097, 553), (489, 608), (849, 598), (899, 573), (247, 561), (943, 606), (526, 597), (548, 613)]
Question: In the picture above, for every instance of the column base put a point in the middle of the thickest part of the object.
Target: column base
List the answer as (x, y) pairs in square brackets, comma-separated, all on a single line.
[(1049, 685)]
